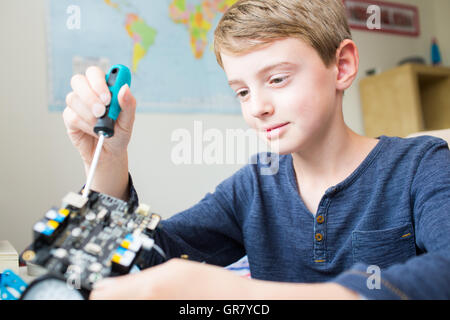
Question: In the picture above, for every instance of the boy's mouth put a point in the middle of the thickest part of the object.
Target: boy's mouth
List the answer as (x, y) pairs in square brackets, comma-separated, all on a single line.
[(276, 127), (276, 131)]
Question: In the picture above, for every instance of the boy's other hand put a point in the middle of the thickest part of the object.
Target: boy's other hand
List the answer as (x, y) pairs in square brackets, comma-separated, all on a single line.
[(180, 279), (176, 279)]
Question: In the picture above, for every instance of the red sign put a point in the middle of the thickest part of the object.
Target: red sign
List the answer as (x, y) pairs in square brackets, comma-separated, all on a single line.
[(379, 16)]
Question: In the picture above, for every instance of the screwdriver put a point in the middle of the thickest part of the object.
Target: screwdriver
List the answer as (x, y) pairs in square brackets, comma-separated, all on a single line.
[(117, 76)]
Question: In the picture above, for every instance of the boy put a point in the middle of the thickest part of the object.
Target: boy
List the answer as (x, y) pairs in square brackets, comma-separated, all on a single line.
[(344, 217)]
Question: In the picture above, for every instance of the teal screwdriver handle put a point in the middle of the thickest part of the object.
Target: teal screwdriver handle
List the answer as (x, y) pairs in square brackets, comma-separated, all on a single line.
[(117, 76)]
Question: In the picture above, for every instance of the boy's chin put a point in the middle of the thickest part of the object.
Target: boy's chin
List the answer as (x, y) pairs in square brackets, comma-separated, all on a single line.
[(282, 148), (286, 152)]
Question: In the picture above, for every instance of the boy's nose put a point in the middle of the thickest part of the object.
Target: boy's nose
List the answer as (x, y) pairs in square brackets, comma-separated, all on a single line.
[(262, 108)]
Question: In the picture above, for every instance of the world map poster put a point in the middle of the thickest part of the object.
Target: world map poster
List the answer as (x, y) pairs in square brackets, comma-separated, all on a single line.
[(167, 44)]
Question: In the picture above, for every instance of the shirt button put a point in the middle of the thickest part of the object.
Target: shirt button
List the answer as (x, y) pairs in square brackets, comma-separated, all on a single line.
[(319, 237), (320, 219)]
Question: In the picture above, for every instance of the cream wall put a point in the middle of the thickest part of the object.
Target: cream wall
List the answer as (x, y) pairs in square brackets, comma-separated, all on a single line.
[(38, 164), (383, 50), (441, 15)]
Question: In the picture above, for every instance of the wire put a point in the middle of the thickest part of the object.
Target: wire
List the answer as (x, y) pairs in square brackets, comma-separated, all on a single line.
[(160, 251)]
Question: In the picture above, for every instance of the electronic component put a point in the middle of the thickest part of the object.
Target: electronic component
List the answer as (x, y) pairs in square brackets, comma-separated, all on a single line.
[(143, 209), (51, 288), (154, 222), (90, 216), (88, 239), (75, 200), (102, 214), (11, 285), (93, 249), (132, 243), (46, 230), (58, 216), (122, 260), (60, 253)]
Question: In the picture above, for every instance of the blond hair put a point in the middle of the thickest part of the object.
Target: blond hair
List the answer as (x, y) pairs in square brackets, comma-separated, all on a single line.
[(250, 24)]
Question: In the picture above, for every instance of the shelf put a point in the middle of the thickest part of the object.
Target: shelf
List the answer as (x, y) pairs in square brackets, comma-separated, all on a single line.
[(405, 100)]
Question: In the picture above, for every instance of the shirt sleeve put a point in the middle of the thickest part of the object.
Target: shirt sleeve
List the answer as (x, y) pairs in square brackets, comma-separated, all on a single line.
[(426, 276), (209, 231)]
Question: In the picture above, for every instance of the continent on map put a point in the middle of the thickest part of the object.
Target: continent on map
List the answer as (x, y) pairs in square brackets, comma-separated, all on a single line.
[(198, 20), (112, 4), (143, 37)]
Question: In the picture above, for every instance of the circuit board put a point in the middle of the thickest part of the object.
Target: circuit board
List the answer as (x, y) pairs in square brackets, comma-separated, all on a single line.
[(88, 239)]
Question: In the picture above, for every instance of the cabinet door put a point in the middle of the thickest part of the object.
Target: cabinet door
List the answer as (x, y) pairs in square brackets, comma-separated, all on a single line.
[(391, 103)]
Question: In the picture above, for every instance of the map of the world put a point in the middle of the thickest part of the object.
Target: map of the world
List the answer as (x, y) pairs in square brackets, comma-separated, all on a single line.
[(167, 44)]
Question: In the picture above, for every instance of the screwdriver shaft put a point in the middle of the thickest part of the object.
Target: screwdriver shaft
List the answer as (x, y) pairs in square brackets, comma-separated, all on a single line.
[(90, 177)]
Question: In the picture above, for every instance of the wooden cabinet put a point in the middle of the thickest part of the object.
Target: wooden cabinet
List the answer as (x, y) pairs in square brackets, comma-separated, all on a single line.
[(405, 100)]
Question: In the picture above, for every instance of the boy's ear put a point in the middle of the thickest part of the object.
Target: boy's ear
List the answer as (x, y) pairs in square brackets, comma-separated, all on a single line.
[(347, 64)]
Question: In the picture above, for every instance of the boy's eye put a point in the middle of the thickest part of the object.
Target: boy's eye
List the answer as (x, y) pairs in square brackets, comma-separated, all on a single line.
[(242, 93), (278, 80)]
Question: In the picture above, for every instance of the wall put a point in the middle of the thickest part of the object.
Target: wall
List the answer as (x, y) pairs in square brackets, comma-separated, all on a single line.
[(441, 12), (383, 50), (38, 164)]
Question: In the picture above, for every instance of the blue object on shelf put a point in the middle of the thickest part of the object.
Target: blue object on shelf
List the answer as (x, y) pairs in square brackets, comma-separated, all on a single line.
[(9, 280), (436, 58)]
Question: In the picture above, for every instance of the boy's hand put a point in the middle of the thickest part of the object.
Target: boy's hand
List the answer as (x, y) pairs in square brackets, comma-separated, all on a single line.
[(85, 104), (180, 279), (176, 279)]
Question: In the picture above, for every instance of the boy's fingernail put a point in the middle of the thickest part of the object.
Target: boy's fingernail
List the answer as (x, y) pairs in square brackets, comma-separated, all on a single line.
[(126, 95), (106, 98), (98, 110)]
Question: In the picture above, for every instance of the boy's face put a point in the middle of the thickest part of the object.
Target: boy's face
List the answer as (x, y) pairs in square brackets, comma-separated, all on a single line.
[(287, 93)]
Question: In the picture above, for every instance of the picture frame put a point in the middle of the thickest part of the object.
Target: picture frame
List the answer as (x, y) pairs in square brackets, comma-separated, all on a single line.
[(393, 18)]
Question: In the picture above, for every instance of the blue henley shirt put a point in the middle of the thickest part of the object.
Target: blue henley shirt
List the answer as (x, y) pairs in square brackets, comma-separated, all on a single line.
[(392, 214)]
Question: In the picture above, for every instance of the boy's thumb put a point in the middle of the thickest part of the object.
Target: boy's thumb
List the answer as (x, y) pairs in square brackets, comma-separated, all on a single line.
[(127, 103)]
